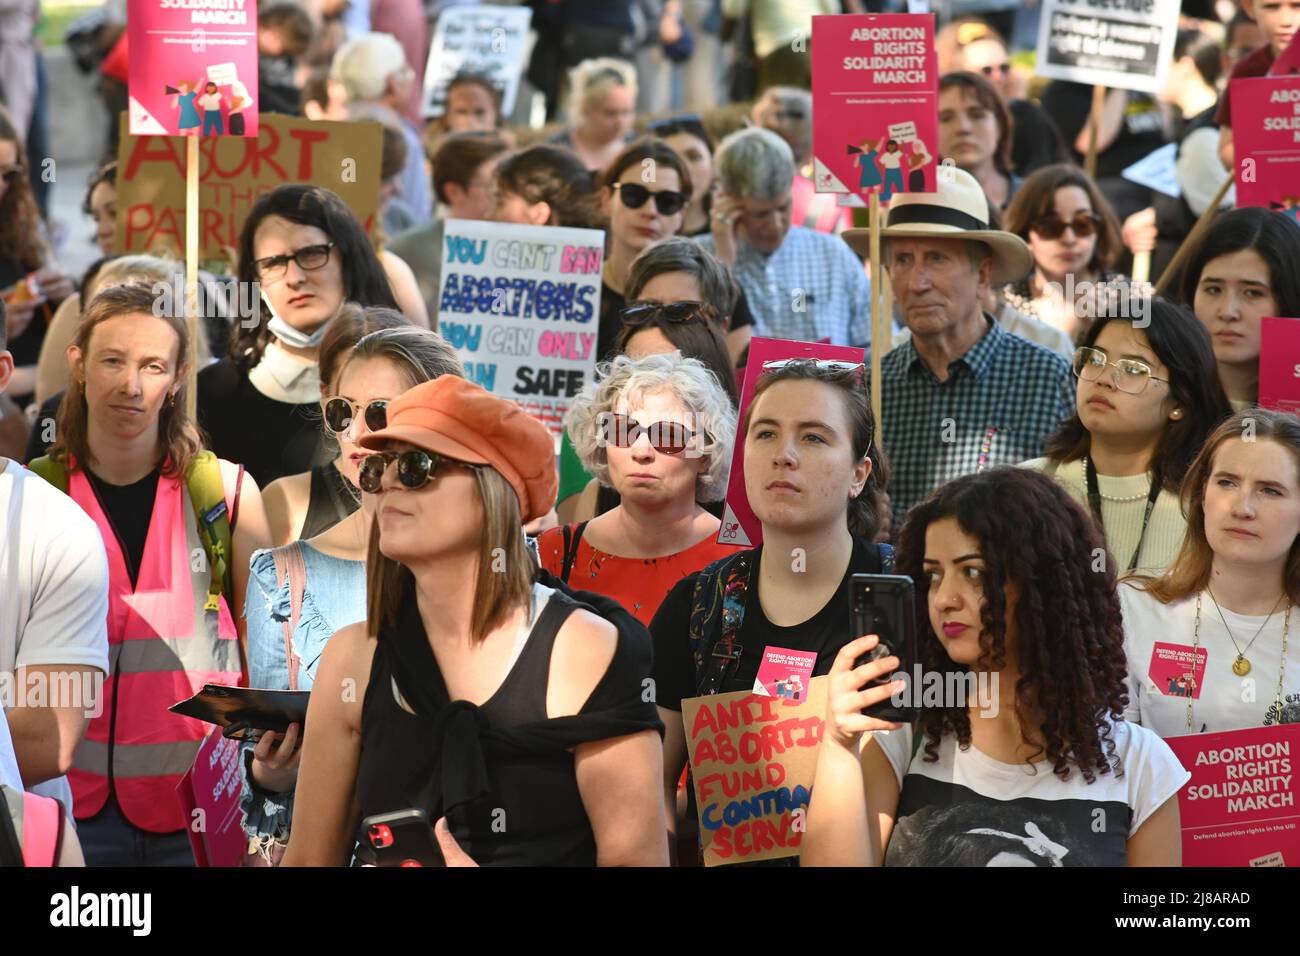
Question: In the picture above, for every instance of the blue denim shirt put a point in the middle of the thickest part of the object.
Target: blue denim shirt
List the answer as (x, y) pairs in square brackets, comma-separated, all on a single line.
[(333, 598)]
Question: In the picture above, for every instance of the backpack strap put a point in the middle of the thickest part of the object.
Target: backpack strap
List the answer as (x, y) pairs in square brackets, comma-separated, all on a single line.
[(208, 495), (53, 471), (571, 538), (289, 563), (718, 609)]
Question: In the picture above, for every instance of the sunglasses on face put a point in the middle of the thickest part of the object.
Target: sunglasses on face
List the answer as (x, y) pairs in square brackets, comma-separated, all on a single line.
[(837, 365), (339, 414), (622, 431), (414, 469), (1003, 68), (309, 258), (1129, 375), (679, 313), (667, 201), (1084, 225)]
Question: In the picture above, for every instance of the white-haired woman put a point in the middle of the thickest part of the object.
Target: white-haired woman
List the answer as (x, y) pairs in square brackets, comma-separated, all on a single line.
[(602, 107), (659, 430)]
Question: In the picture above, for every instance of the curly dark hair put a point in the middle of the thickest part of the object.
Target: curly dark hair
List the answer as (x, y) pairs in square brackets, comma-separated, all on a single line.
[(1068, 630)]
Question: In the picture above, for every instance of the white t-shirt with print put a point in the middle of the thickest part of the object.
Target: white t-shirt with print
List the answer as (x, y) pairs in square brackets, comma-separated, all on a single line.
[(1224, 700), (53, 587), (967, 809)]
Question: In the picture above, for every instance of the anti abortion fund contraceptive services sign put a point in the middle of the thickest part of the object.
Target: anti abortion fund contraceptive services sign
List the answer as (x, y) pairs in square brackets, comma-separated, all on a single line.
[(521, 304)]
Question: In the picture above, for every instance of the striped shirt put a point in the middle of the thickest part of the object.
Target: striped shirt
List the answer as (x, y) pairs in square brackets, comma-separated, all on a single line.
[(813, 287), (1000, 403)]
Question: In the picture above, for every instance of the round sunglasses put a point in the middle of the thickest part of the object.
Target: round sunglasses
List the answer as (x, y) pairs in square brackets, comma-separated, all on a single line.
[(678, 313), (1084, 225), (339, 413), (622, 431), (667, 201), (414, 469)]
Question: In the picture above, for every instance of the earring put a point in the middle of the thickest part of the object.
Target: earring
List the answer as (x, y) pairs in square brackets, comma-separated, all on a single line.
[(1176, 413)]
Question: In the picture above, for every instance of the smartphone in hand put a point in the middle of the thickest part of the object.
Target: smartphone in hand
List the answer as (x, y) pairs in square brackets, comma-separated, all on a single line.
[(401, 838), (885, 605)]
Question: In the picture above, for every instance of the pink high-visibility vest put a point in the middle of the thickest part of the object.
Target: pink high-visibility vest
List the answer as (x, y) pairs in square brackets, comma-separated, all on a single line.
[(163, 647)]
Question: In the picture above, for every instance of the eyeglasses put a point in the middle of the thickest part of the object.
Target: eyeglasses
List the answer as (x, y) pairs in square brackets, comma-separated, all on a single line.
[(339, 413), (10, 174), (678, 313), (309, 258), (1129, 375), (667, 201), (1003, 68), (667, 438), (414, 469), (1084, 225)]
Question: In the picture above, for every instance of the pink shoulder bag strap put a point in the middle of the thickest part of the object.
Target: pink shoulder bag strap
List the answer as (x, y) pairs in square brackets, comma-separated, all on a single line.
[(288, 561)]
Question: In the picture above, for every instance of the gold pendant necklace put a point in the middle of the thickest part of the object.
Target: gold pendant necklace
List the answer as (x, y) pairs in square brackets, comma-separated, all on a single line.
[(1241, 666), (1241, 660)]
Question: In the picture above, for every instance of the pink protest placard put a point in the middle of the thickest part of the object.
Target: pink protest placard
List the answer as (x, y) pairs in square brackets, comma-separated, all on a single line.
[(1279, 364), (1266, 142), (739, 524), (1239, 809), (193, 67), (875, 82), (209, 796)]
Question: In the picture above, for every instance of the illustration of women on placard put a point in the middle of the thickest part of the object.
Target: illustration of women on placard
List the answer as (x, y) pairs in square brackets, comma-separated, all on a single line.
[(917, 162), (865, 159), (211, 102), (186, 93), (892, 161)]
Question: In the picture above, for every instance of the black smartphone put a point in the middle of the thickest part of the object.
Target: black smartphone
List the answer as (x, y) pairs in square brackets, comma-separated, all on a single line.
[(885, 605), (402, 838)]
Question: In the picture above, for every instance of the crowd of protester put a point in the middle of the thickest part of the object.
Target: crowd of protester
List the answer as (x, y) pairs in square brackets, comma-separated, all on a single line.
[(491, 624)]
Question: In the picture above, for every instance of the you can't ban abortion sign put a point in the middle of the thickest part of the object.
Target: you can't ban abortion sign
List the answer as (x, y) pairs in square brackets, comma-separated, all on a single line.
[(752, 763), (521, 304)]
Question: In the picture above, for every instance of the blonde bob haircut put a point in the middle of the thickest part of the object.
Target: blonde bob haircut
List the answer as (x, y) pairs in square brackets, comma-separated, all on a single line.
[(624, 381), (592, 79)]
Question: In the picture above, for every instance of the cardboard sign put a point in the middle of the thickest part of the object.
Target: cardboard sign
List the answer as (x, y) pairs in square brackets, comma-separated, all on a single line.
[(233, 172), (1266, 134), (193, 67), (1121, 44), (752, 764), (1279, 364), (521, 304), (1239, 809), (490, 40), (1157, 170), (739, 524), (209, 796), (875, 82)]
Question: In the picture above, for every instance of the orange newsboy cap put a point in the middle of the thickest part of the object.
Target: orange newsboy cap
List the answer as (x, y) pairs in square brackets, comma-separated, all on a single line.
[(454, 417)]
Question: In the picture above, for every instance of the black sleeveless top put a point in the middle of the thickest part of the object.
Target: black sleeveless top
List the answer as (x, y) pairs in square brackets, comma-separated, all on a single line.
[(502, 773), (329, 503)]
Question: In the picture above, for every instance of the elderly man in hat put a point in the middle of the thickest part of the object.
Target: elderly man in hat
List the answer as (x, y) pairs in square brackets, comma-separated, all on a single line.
[(962, 393)]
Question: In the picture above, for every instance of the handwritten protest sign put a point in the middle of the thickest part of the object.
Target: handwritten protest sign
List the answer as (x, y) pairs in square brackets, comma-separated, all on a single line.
[(193, 67), (1122, 44), (233, 172), (739, 525), (1266, 134), (875, 104), (521, 305), (209, 796), (752, 763), (1239, 809), (1279, 364), (488, 40)]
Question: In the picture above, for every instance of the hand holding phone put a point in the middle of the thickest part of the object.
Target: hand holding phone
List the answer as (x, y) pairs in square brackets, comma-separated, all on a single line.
[(884, 605), (402, 838), (855, 685), (275, 760)]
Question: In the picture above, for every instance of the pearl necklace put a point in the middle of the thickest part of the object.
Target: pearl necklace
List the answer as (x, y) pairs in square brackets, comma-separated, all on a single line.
[(1117, 498)]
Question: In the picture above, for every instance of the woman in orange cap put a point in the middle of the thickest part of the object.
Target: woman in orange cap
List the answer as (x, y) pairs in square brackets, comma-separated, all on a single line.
[(508, 713)]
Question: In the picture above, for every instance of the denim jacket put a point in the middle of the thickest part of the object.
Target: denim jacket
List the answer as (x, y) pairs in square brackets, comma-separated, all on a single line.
[(334, 597)]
